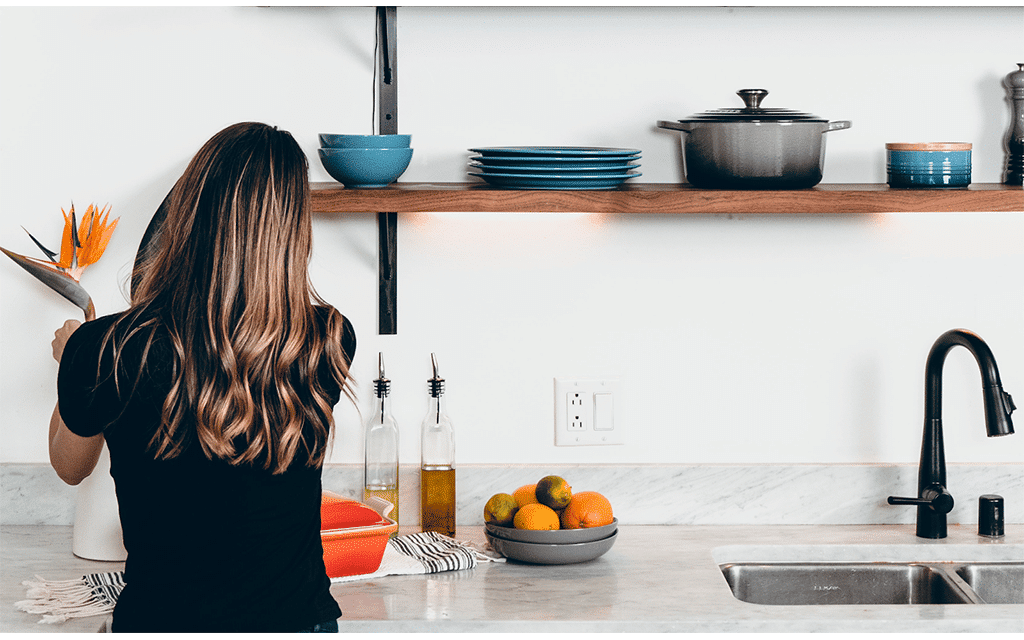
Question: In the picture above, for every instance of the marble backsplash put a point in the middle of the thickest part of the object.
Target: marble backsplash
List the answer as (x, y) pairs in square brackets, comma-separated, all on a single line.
[(640, 494)]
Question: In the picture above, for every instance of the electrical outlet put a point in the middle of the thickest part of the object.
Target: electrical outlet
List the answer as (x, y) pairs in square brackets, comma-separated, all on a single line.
[(576, 414), (587, 411)]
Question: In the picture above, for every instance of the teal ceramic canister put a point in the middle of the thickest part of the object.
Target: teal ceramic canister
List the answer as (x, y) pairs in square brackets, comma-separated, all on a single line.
[(928, 164)]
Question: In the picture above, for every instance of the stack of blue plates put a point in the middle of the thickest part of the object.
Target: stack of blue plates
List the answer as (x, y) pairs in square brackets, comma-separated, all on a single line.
[(554, 167)]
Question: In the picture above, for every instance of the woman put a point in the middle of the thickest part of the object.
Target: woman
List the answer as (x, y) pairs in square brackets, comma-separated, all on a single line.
[(214, 392)]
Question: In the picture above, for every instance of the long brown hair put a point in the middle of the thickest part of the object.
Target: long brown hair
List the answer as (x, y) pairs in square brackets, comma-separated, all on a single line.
[(228, 280)]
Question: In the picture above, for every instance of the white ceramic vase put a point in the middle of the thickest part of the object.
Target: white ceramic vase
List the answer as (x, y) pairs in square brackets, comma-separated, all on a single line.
[(97, 530)]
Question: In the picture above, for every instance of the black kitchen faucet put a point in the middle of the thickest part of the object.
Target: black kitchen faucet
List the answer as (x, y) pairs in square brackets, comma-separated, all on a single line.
[(934, 501)]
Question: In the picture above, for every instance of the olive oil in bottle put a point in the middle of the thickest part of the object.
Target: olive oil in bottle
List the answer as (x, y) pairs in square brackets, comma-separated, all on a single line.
[(437, 463), (437, 493), (380, 467)]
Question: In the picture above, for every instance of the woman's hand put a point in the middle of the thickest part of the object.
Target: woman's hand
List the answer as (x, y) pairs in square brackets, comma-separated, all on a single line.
[(60, 337)]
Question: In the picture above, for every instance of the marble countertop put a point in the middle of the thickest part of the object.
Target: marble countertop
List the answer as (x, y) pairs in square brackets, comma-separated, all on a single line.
[(655, 579)]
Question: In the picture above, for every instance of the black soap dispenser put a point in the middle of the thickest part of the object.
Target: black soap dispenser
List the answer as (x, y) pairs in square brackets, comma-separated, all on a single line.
[(990, 516)]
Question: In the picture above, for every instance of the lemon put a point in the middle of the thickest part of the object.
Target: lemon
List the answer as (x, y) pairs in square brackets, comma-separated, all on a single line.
[(500, 509), (554, 491)]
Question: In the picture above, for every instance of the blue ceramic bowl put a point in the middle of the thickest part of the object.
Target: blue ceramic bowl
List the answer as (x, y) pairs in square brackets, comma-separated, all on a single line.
[(352, 141), (933, 164), (365, 168)]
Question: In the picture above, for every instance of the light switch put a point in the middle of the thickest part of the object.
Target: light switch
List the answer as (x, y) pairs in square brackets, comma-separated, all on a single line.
[(604, 412)]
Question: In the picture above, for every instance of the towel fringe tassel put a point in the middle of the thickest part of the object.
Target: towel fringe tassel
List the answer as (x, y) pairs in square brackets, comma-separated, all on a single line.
[(59, 600), (482, 554)]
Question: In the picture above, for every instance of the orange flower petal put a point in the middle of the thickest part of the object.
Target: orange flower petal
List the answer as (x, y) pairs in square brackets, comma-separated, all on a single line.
[(95, 237), (67, 250), (85, 226)]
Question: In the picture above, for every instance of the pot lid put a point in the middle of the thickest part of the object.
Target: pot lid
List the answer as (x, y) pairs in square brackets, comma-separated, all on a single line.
[(753, 112)]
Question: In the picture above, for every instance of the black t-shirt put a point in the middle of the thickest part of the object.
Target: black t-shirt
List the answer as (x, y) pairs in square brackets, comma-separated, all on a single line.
[(211, 546)]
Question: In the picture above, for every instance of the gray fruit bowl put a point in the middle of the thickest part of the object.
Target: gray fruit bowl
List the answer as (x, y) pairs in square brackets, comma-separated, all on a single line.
[(534, 553)]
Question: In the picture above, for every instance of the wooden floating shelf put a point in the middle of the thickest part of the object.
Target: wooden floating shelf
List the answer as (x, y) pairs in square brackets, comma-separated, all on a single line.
[(424, 197)]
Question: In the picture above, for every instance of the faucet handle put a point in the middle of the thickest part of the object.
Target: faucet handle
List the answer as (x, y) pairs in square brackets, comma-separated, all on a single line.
[(934, 496)]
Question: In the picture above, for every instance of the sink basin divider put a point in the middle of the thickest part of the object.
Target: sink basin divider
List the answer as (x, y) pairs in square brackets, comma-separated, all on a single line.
[(949, 573)]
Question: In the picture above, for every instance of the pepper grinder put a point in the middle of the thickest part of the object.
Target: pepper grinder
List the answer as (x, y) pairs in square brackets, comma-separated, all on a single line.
[(1014, 82)]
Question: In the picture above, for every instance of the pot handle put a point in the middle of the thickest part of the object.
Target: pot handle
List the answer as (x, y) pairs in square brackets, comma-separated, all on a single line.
[(678, 126), (837, 125)]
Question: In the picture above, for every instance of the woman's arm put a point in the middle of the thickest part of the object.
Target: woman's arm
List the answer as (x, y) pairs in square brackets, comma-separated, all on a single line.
[(71, 456)]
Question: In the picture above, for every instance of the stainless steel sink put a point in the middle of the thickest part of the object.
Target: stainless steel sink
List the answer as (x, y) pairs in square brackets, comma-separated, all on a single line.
[(851, 583), (997, 582)]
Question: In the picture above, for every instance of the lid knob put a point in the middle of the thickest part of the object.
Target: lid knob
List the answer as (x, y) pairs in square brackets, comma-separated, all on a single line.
[(1015, 79), (752, 97)]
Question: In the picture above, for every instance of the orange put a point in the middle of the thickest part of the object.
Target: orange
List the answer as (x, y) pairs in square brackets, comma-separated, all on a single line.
[(587, 509), (500, 509), (526, 494), (536, 517), (554, 492)]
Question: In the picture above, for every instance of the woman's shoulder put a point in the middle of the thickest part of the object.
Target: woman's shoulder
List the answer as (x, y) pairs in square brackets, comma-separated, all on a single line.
[(105, 321), (326, 312), (348, 333), (103, 324), (86, 344), (96, 328), (103, 333)]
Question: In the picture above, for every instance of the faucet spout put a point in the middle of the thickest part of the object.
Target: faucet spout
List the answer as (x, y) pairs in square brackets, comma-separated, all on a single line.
[(998, 403), (933, 501)]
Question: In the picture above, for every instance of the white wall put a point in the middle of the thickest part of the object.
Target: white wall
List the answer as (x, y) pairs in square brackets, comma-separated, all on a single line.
[(740, 338)]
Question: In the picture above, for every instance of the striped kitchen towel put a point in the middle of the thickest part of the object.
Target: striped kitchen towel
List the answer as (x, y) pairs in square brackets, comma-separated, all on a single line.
[(427, 552)]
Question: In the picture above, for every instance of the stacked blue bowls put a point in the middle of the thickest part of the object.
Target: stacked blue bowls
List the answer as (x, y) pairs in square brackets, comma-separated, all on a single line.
[(928, 164), (365, 161)]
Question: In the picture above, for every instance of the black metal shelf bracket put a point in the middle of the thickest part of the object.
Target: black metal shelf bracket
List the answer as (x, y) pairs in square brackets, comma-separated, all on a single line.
[(386, 73)]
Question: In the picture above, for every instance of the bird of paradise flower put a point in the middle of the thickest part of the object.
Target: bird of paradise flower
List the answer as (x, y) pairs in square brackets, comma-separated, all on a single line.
[(81, 246)]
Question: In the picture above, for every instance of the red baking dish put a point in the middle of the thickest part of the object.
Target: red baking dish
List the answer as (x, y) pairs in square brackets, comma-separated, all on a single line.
[(354, 536)]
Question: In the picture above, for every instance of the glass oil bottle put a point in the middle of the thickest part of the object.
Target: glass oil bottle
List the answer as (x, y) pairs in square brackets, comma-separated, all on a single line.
[(380, 467), (437, 463)]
